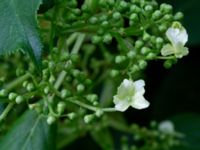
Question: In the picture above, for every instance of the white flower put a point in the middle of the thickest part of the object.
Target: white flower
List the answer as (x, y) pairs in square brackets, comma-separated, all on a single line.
[(166, 126), (130, 93), (178, 37)]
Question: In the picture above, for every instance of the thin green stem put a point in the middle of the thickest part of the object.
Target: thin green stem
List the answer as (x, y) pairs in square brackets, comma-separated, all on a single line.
[(6, 111), (16, 82), (165, 57), (78, 43)]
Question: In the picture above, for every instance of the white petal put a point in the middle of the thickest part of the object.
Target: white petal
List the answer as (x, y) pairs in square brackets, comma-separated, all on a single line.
[(140, 102), (121, 105), (176, 35), (167, 50), (127, 83), (181, 51), (139, 85)]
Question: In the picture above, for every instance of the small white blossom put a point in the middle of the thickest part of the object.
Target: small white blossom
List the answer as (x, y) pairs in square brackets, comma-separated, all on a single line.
[(130, 93), (166, 127), (178, 37)]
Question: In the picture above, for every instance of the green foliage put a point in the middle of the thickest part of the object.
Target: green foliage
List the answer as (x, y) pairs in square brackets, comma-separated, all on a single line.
[(19, 28), (29, 132)]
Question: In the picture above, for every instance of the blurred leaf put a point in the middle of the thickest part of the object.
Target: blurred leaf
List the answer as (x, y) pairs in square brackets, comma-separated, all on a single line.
[(103, 138), (30, 132), (19, 27), (191, 9), (189, 125)]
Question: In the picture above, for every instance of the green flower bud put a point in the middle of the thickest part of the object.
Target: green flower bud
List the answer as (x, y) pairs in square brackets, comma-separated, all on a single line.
[(68, 66), (30, 87), (165, 8), (80, 88), (93, 20), (12, 96), (119, 59), (19, 99), (50, 120), (95, 103), (135, 9), (24, 84), (123, 4), (105, 24), (178, 16), (52, 79), (107, 38), (88, 82), (96, 39), (76, 11), (116, 15), (142, 64), (145, 50), (162, 28), (148, 9), (114, 73), (139, 44), (146, 36), (151, 56), (168, 17), (99, 113), (3, 93), (89, 118), (91, 5), (92, 97), (134, 17), (131, 54), (74, 58), (156, 15), (65, 93), (168, 64), (51, 65), (71, 116), (134, 68), (46, 90), (61, 107)]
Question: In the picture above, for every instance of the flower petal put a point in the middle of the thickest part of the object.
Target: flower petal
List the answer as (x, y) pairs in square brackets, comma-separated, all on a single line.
[(140, 102), (167, 50), (121, 105), (181, 51), (139, 85)]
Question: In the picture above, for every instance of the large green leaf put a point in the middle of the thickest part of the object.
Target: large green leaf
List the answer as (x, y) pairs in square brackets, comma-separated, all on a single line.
[(19, 27), (30, 132)]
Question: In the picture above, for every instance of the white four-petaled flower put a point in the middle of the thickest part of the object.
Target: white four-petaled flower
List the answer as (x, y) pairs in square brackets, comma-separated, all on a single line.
[(130, 93), (178, 37)]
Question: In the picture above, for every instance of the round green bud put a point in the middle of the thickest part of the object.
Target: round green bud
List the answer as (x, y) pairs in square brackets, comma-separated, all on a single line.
[(168, 64), (151, 56), (178, 16), (107, 38), (52, 79), (142, 64), (12, 96), (76, 73), (30, 87), (146, 36), (159, 40), (131, 54), (3, 92), (96, 39), (24, 84), (19, 99), (99, 113), (88, 82), (51, 65), (80, 88), (134, 17), (148, 9), (76, 11), (162, 27), (89, 118), (134, 68), (71, 116), (50, 120), (156, 15), (93, 20), (95, 103), (145, 50), (114, 73), (139, 44), (105, 24), (92, 97), (65, 93), (135, 9), (46, 90), (103, 17), (119, 59), (116, 15), (166, 8), (123, 4), (168, 17), (61, 107), (74, 58), (19, 71)]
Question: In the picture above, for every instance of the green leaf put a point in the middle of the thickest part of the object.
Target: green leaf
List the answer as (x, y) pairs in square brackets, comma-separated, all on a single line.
[(30, 132), (189, 125), (19, 27)]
